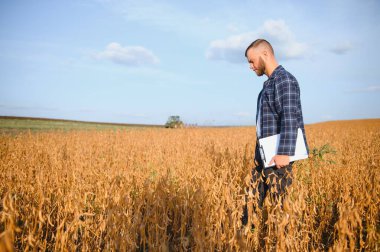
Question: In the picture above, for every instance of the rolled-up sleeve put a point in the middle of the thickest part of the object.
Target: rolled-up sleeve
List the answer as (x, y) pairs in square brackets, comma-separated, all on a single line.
[(286, 99)]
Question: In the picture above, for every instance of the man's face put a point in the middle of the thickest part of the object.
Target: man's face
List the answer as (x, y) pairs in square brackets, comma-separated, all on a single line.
[(256, 62)]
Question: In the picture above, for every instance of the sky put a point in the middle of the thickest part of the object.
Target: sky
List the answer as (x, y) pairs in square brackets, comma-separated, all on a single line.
[(143, 61)]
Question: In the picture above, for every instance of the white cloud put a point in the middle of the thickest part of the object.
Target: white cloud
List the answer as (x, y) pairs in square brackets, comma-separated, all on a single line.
[(243, 114), (230, 49), (368, 89), (136, 115), (327, 117), (342, 48), (232, 28), (128, 55), (25, 107), (166, 16), (275, 31)]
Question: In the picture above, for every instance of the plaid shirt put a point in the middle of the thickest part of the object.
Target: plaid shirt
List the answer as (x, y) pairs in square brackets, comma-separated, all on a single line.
[(281, 111)]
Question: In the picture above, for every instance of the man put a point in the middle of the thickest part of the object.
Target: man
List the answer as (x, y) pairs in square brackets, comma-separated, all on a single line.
[(278, 112)]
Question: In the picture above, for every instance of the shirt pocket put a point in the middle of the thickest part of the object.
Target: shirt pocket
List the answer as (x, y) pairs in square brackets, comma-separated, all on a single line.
[(269, 101)]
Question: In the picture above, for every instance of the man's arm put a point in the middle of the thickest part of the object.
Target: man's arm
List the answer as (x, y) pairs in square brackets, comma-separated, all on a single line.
[(286, 99), (287, 96)]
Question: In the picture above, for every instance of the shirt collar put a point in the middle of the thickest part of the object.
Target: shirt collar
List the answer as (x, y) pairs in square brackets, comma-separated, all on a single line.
[(275, 73)]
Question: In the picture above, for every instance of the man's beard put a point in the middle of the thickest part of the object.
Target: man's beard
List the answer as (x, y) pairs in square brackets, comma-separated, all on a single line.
[(261, 70)]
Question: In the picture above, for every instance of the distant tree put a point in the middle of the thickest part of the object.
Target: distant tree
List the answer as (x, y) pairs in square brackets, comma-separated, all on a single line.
[(174, 122)]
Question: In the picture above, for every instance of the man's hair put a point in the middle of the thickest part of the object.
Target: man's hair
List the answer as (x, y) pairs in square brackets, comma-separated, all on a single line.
[(258, 42)]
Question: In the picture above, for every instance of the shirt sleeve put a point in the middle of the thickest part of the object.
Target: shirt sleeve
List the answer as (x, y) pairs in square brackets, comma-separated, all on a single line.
[(286, 100)]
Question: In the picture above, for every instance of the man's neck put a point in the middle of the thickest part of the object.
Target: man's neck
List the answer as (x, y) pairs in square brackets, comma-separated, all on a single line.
[(270, 68)]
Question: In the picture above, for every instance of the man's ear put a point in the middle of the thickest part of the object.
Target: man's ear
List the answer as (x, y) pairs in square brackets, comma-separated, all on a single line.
[(265, 53)]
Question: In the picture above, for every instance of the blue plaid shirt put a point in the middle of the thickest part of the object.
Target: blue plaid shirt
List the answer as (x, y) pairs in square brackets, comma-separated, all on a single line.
[(281, 111)]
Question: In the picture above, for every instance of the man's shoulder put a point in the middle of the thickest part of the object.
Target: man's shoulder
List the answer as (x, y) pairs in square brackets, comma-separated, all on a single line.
[(280, 79), (284, 75), (284, 80)]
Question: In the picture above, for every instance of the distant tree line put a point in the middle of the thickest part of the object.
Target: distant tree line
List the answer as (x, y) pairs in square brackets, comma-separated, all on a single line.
[(174, 122)]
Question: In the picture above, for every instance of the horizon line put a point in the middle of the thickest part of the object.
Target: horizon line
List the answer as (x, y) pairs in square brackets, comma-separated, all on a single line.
[(157, 125)]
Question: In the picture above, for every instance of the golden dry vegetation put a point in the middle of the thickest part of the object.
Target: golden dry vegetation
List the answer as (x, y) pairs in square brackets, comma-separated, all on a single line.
[(183, 190)]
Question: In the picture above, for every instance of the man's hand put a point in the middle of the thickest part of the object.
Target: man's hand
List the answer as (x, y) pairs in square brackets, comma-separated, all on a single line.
[(280, 161)]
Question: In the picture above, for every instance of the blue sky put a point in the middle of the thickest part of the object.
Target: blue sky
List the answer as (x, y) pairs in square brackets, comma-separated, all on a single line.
[(142, 61)]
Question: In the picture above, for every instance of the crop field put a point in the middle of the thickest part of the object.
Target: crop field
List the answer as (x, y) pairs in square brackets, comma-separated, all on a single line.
[(157, 189), (11, 124)]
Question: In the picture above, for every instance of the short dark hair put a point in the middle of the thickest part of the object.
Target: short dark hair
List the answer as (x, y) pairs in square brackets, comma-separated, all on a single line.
[(258, 42)]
